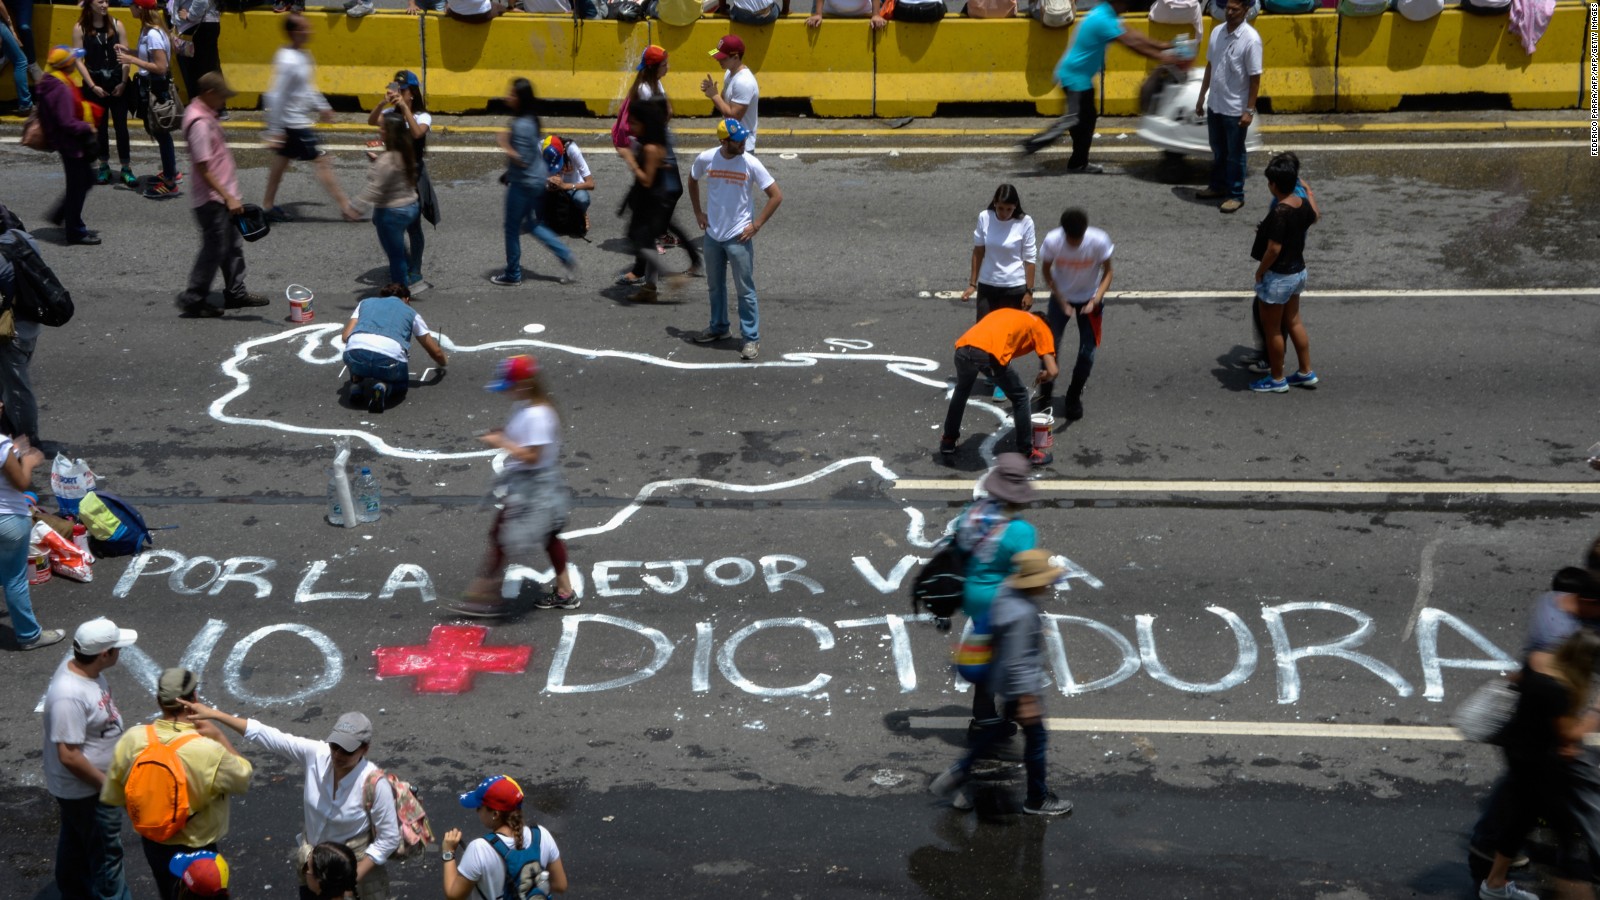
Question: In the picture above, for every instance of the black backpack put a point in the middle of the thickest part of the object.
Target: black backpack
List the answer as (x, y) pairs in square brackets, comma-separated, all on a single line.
[(940, 585), (40, 296), (562, 215)]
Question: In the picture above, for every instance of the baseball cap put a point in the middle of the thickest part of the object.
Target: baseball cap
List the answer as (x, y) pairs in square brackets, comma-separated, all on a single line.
[(96, 636), (554, 151), (351, 731), (147, 4), (407, 78), (61, 56), (497, 792), (653, 56), (175, 684), (731, 45), (513, 371), (204, 872), (732, 130)]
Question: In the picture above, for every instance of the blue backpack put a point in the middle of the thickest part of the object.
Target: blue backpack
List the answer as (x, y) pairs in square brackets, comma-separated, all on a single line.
[(522, 868), (115, 527)]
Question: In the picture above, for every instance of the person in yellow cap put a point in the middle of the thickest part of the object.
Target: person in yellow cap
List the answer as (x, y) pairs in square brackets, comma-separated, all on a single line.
[(68, 127)]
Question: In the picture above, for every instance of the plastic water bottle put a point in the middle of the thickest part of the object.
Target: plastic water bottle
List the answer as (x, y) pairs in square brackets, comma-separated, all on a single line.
[(369, 497), (335, 514)]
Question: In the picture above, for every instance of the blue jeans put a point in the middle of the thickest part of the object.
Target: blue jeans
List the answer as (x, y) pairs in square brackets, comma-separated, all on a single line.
[(387, 369), (741, 256), (19, 65), (1057, 318), (89, 851), (969, 362), (580, 199), (1033, 755), (1227, 153), (14, 532), (22, 17), (524, 207), (392, 224), (749, 18)]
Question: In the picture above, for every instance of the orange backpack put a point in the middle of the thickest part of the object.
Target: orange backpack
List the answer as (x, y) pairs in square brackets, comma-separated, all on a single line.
[(157, 790)]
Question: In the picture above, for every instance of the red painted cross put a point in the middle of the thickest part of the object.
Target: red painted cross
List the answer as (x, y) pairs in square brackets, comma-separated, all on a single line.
[(450, 659)]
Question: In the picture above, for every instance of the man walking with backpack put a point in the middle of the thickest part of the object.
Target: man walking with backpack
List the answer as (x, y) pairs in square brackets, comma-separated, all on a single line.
[(81, 728), (1016, 675), (175, 757)]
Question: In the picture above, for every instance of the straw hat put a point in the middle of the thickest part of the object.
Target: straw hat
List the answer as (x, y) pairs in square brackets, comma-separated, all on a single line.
[(1032, 569)]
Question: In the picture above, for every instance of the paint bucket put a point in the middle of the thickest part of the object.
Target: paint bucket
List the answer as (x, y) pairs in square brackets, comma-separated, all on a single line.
[(300, 298), (1043, 424), (39, 569)]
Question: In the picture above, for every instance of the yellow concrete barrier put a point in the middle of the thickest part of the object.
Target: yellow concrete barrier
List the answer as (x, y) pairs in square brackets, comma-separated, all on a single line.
[(1297, 59), (591, 62), (830, 66), (1383, 58), (967, 61)]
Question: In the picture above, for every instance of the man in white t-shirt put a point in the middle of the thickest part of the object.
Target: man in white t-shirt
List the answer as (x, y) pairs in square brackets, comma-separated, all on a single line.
[(1228, 100), (1077, 269), (377, 347), (730, 224), (848, 9), (81, 728), (741, 95)]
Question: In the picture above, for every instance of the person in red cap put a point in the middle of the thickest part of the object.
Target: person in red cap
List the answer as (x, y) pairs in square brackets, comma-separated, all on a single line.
[(646, 87), (531, 494), (510, 850), (741, 95), (201, 874)]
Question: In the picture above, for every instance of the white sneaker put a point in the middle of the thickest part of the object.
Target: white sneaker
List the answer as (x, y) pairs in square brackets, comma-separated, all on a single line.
[(751, 350), (359, 10), (1511, 891)]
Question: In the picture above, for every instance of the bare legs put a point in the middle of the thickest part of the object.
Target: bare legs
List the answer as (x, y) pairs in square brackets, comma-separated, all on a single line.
[(1275, 320)]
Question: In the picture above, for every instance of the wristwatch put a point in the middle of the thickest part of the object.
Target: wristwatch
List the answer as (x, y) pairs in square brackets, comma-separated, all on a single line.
[(1250, 111), (448, 855)]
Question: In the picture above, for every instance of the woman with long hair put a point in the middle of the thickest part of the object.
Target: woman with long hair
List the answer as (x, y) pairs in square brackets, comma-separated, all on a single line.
[(1544, 739), (482, 866), (1004, 254), (391, 193), (403, 101), (531, 493), (653, 66), (525, 183), (153, 60), (650, 198), (18, 459), (105, 81), (330, 871)]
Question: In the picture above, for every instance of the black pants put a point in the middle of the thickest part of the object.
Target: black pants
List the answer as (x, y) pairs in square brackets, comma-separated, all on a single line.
[(116, 117), (21, 417), (672, 192), (969, 362), (1079, 119), (206, 57), (159, 856), (991, 298), (221, 246), (69, 210)]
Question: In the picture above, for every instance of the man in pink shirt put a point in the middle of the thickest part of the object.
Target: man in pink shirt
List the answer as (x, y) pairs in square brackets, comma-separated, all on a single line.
[(215, 195)]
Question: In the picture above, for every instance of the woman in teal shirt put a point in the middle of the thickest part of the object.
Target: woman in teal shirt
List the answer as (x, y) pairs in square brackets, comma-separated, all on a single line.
[(992, 531)]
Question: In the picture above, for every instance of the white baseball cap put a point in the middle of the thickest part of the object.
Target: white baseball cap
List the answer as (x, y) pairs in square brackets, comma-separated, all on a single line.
[(96, 636)]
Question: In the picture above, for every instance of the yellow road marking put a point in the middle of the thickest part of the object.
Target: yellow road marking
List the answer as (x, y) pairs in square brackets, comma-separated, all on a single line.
[(1195, 726), (1109, 486)]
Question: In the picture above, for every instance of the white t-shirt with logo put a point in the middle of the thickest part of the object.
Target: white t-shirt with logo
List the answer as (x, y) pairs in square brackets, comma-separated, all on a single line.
[(78, 710), (534, 426), (481, 865), (1076, 271), (730, 205), (742, 88), (1008, 244)]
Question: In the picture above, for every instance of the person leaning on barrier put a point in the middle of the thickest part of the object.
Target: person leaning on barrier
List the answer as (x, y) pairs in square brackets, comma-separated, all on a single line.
[(847, 9)]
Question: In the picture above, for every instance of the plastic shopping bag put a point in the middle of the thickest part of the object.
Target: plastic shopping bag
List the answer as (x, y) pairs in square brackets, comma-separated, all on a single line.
[(70, 479), (66, 558)]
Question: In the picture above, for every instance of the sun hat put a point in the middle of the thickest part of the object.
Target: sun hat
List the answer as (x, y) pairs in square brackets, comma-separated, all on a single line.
[(1008, 480), (1033, 569)]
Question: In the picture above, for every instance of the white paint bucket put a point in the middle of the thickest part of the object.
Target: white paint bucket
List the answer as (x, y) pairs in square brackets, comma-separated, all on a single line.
[(300, 298), (1043, 427)]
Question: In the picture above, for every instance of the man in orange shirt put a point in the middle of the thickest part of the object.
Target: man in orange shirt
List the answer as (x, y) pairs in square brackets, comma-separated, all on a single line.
[(989, 347)]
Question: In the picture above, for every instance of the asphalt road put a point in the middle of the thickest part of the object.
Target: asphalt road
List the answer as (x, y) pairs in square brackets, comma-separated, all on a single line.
[(739, 708)]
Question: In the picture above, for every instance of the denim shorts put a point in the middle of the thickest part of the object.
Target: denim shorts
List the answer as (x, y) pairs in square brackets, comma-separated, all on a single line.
[(1276, 289)]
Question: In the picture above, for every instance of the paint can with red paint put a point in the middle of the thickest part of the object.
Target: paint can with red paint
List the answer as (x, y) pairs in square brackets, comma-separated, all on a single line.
[(1043, 431)]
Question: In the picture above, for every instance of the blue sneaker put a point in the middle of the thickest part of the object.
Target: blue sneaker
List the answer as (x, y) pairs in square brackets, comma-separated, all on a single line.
[(1295, 379), (413, 278), (999, 394), (1268, 386)]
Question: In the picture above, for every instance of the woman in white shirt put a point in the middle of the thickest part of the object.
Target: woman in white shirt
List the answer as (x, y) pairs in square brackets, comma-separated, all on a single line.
[(530, 492), (335, 801), (510, 848), (1004, 254), (152, 60)]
